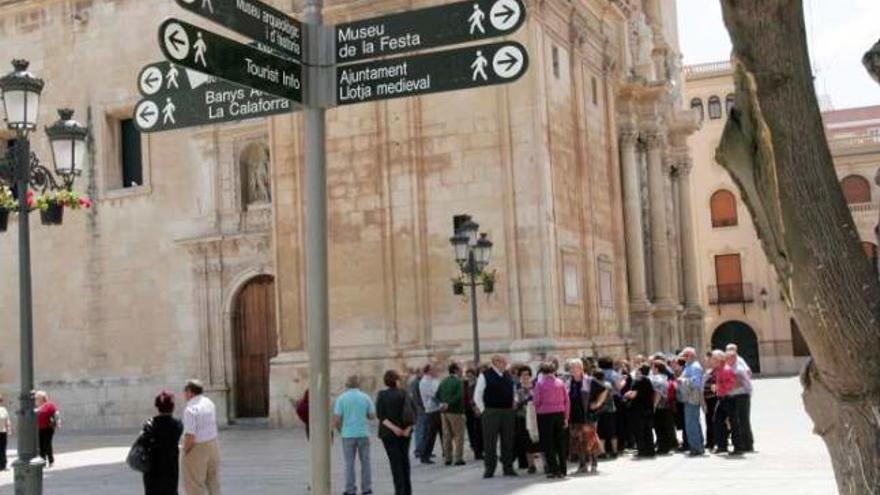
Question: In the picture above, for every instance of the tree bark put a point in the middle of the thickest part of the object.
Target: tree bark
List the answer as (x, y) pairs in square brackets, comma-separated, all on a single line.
[(775, 149)]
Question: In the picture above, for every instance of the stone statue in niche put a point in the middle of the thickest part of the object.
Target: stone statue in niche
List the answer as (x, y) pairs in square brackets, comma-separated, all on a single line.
[(642, 46), (254, 161)]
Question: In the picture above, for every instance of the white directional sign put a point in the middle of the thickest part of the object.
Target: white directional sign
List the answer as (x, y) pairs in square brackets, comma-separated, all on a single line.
[(461, 22)]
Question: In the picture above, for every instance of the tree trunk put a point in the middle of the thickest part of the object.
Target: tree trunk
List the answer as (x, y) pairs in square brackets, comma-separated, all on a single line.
[(774, 147)]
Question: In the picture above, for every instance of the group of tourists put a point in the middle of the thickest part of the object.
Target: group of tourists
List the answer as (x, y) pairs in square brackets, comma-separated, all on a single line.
[(579, 411)]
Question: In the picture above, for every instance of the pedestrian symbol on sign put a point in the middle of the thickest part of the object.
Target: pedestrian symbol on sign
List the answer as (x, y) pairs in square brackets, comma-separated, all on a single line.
[(171, 77), (479, 66), (200, 48), (476, 20), (168, 112)]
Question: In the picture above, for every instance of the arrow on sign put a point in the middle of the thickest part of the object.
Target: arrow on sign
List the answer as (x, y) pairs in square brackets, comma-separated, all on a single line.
[(508, 60), (505, 14), (146, 112), (176, 41)]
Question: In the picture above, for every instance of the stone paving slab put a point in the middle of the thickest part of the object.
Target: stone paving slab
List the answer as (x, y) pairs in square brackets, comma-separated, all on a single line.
[(790, 461)]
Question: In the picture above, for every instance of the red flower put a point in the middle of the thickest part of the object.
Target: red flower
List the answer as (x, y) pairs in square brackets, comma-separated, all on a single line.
[(85, 202)]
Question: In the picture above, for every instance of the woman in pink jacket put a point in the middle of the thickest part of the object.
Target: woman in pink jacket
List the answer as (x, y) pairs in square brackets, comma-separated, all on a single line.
[(552, 407)]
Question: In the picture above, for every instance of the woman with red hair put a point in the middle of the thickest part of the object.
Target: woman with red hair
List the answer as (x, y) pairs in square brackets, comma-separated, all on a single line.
[(163, 434)]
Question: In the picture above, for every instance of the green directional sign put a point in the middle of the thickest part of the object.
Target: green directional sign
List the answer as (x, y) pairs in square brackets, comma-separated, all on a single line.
[(255, 20), (209, 102), (201, 50), (463, 68), (432, 27)]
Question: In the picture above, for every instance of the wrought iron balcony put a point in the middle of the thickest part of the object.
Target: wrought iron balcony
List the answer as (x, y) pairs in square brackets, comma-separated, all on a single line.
[(742, 293)]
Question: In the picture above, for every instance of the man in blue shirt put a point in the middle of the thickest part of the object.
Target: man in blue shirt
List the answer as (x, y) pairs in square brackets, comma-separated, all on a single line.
[(691, 382), (351, 415)]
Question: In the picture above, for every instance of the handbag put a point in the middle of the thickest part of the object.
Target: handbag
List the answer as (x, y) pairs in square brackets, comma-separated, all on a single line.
[(139, 458), (532, 422)]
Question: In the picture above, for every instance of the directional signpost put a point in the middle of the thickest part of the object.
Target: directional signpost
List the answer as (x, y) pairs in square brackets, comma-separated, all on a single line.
[(432, 27), (177, 98), (482, 65), (207, 52), (255, 20), (210, 79)]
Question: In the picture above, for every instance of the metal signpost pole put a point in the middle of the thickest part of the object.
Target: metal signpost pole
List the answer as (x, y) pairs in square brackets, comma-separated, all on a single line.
[(316, 264)]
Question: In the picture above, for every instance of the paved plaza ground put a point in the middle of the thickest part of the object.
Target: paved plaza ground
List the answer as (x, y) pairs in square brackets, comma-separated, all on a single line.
[(790, 461)]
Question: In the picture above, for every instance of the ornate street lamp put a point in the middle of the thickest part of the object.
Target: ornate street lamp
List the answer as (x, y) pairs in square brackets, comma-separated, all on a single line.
[(21, 170), (472, 254), (871, 60), (21, 97)]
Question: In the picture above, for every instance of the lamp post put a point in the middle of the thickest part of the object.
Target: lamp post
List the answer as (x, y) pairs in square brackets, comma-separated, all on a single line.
[(871, 60), (21, 169), (472, 253)]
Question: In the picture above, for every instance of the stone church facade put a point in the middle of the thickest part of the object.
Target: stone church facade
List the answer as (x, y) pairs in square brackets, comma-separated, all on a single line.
[(191, 263)]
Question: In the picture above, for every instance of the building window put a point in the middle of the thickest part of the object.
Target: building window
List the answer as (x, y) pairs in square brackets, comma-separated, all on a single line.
[(131, 158), (697, 108), (556, 62), (595, 86), (728, 276), (798, 344), (729, 103), (723, 208), (714, 107), (856, 189)]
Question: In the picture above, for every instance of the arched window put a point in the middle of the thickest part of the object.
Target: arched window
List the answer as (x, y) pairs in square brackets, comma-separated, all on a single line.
[(871, 252), (723, 207), (729, 102), (856, 189), (697, 108), (714, 107)]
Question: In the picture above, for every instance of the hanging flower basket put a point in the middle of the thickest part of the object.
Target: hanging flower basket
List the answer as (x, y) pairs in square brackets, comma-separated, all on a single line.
[(4, 220), (488, 280), (458, 288), (53, 214)]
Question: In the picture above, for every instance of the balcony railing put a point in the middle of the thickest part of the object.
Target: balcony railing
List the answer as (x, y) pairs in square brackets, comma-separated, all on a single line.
[(863, 207), (709, 68), (720, 295)]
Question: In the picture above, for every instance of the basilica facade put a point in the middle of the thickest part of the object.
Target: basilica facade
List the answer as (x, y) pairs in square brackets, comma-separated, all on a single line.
[(191, 263)]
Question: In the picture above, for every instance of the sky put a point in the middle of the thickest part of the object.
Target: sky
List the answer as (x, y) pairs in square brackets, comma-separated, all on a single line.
[(839, 33)]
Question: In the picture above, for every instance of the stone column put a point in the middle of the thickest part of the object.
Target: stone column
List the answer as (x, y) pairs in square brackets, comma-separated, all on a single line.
[(640, 308), (665, 305), (693, 314), (659, 227)]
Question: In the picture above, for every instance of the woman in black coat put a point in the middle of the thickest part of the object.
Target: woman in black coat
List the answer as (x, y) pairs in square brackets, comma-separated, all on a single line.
[(396, 415), (163, 435)]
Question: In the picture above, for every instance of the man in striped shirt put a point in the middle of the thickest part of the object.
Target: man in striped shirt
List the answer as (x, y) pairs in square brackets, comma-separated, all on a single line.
[(201, 455)]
